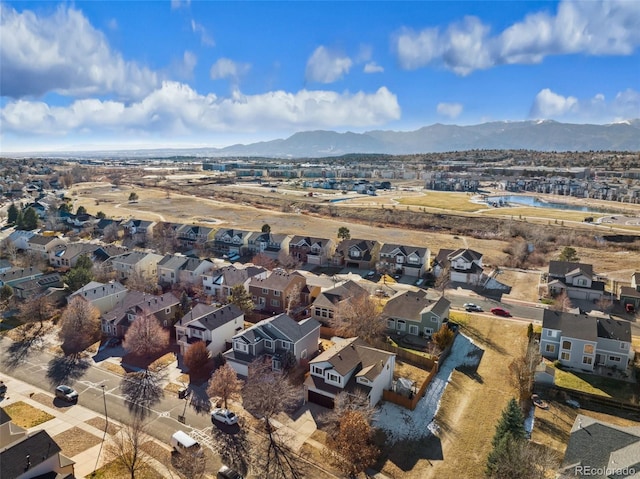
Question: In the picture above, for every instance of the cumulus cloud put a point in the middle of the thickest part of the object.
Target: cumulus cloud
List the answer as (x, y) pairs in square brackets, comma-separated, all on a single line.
[(450, 110), (175, 108), (226, 68), (326, 66), (63, 53), (550, 105), (606, 27), (205, 38), (372, 67)]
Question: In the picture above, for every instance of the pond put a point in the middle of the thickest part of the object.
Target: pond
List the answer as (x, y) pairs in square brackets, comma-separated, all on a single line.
[(516, 200)]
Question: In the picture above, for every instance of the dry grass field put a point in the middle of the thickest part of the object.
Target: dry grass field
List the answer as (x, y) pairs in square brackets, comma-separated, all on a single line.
[(25, 415), (443, 200), (75, 440)]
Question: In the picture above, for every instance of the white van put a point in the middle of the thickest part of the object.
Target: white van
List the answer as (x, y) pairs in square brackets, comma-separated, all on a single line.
[(183, 443)]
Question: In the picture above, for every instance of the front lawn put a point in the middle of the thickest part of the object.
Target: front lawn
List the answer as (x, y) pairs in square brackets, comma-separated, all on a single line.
[(25, 415), (597, 385)]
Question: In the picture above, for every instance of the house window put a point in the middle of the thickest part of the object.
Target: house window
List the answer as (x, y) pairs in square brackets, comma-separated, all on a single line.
[(276, 293), (275, 302), (413, 329), (587, 360), (566, 345), (401, 325), (623, 345), (276, 364), (265, 291), (549, 332), (333, 378), (240, 346), (355, 253), (167, 311), (391, 324), (428, 332), (399, 259), (550, 348), (316, 370), (588, 349), (286, 345), (434, 319), (565, 356), (268, 344), (615, 359)]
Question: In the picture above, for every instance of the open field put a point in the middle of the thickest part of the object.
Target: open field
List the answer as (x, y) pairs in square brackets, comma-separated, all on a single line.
[(444, 200)]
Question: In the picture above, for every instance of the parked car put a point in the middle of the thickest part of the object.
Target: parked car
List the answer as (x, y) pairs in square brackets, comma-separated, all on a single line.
[(3, 388), (501, 312), (224, 416), (66, 393), (630, 308), (472, 307), (228, 473)]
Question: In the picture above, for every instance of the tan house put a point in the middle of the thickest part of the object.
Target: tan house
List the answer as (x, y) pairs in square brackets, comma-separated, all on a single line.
[(328, 302), (43, 245), (310, 250), (277, 293), (357, 253), (135, 303)]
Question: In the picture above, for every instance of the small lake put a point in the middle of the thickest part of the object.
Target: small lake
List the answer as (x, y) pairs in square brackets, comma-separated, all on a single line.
[(513, 200)]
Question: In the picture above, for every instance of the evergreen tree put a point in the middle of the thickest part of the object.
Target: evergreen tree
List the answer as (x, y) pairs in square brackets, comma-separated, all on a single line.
[(19, 221), (12, 214), (241, 298), (30, 219), (511, 423), (81, 211), (64, 208), (80, 275)]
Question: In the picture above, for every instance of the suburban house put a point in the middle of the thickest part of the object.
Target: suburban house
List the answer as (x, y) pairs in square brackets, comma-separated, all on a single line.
[(575, 279), (65, 256), (18, 275), (279, 292), (465, 265), (139, 231), (190, 236), (327, 304), (27, 455), (231, 242), (218, 283), (168, 268), (43, 245), (41, 285), (20, 239), (310, 250), (585, 342), (601, 450), (349, 365), (214, 325), (279, 339), (413, 313), (406, 260), (135, 263), (191, 271), (135, 303), (630, 295), (103, 297), (357, 253), (269, 244)]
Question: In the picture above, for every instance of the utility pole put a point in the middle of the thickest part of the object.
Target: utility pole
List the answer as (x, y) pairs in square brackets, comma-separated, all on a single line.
[(104, 435)]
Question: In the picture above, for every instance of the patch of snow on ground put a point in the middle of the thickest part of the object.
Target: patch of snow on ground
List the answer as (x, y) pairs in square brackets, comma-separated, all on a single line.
[(529, 420), (400, 423)]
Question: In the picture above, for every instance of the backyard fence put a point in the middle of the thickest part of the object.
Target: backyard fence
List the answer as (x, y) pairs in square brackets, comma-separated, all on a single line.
[(410, 402), (586, 399)]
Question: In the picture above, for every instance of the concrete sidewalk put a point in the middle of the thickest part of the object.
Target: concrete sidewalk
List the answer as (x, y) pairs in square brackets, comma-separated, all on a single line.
[(66, 418)]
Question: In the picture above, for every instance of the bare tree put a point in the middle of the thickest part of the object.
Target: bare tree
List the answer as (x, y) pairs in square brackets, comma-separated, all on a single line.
[(292, 297), (288, 262), (9, 250), (191, 463), (225, 384), (562, 302), (263, 260), (140, 282), (146, 336), (523, 369), (196, 356), (37, 309), (164, 238), (125, 448), (360, 316), (79, 325), (111, 233), (344, 402), (352, 449), (267, 393)]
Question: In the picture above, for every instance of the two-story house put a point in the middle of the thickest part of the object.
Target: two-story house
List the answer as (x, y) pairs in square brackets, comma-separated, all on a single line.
[(191, 236), (576, 279), (309, 250), (164, 307), (585, 342), (327, 304), (168, 268), (630, 295), (140, 231), (413, 313), (40, 286), (43, 245), (135, 263), (230, 242), (18, 275), (280, 339), (269, 244), (279, 292), (349, 365), (405, 260), (65, 256), (218, 283), (357, 253), (216, 326), (103, 297), (20, 239), (191, 272), (464, 265)]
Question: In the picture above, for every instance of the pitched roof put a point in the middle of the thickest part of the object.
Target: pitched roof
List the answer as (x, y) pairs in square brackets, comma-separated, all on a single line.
[(280, 326), (211, 317), (614, 329), (276, 281), (352, 353), (466, 253), (19, 273), (333, 296), (29, 453), (95, 290), (172, 262), (562, 268), (442, 257), (411, 304), (579, 326), (231, 275), (42, 240), (139, 301), (388, 248), (309, 240)]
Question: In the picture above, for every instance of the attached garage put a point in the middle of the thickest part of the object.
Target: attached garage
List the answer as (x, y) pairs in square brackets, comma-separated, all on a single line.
[(321, 399)]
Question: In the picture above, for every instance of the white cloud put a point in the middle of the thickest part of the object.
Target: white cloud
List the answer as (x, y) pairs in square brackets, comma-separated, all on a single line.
[(325, 66), (550, 105), (177, 109), (605, 27), (451, 110), (63, 53), (112, 24), (226, 68), (176, 4), (205, 38), (373, 67), (185, 66)]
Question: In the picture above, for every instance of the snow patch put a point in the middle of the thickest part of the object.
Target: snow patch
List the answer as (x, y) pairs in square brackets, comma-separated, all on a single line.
[(400, 423)]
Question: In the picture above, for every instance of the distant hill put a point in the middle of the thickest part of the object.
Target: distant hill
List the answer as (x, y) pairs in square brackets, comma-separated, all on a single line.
[(527, 135)]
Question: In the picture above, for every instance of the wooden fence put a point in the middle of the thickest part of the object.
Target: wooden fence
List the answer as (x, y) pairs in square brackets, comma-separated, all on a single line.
[(410, 403), (585, 399)]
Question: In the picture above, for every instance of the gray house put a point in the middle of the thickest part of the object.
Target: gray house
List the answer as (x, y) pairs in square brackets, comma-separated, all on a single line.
[(413, 313)]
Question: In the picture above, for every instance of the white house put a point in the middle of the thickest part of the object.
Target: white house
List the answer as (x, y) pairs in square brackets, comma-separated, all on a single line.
[(216, 326), (347, 366)]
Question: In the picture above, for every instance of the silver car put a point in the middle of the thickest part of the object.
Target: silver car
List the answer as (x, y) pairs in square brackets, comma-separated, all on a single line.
[(67, 393)]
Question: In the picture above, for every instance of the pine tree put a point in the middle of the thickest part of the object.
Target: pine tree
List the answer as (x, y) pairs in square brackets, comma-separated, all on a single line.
[(12, 214), (511, 423), (241, 298), (30, 219)]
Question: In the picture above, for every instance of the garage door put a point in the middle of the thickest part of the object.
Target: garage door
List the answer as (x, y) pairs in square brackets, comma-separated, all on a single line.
[(320, 399)]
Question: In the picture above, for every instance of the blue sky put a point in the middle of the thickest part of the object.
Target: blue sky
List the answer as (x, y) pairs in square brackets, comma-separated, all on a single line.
[(125, 74)]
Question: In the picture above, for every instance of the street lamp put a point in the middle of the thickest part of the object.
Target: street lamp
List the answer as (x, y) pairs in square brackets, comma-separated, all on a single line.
[(104, 435)]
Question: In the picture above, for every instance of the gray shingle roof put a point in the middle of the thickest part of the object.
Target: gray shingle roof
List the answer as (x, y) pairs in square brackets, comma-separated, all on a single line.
[(211, 317), (38, 447), (579, 326), (561, 268), (404, 249), (354, 353), (614, 329), (411, 304)]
